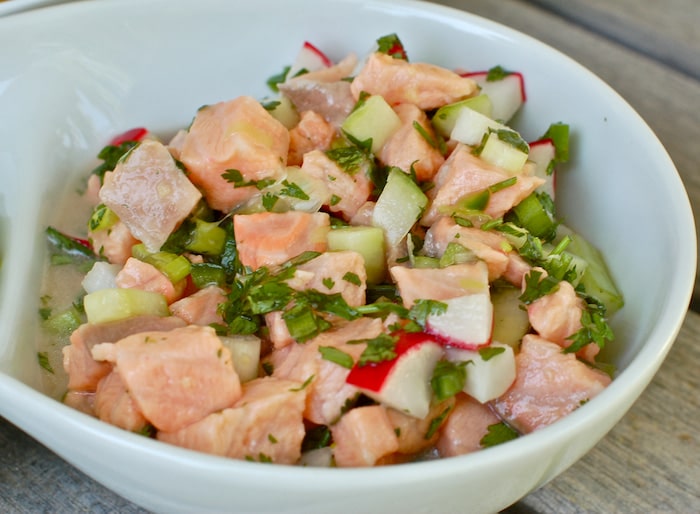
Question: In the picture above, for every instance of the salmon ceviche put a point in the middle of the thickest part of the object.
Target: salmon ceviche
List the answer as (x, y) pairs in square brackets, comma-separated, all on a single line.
[(363, 268)]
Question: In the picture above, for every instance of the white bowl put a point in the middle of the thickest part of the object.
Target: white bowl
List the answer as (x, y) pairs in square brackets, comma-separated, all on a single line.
[(79, 73)]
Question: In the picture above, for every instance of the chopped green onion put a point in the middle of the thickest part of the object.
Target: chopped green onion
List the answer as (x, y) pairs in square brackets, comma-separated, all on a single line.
[(448, 379), (336, 356)]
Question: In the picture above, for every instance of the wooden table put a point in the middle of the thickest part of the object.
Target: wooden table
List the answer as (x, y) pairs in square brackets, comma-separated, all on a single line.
[(650, 462)]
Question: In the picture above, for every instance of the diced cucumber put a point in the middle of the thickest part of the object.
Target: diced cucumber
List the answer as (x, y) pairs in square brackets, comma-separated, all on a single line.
[(423, 261), (398, 207), (175, 267), (455, 253), (368, 242), (208, 238), (446, 116), (115, 304), (102, 218), (534, 217), (245, 353), (285, 112), (597, 279), (510, 321), (374, 119), (502, 154), (470, 126)]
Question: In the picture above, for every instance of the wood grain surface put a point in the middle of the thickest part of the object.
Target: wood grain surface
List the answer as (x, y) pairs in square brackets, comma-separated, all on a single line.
[(650, 462)]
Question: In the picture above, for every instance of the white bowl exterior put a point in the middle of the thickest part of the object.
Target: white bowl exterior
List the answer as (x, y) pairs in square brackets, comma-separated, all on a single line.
[(109, 71)]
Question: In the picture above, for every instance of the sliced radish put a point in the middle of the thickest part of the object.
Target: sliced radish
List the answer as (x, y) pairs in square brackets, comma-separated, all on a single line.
[(308, 59), (135, 134), (506, 94), (403, 382), (491, 370), (466, 323), (542, 153)]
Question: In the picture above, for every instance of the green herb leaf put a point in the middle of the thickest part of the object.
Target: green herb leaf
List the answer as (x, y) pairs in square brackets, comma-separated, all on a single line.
[(498, 433), (304, 385), (43, 358), (352, 278), (293, 190), (336, 356), (448, 378), (436, 423), (497, 73), (349, 158), (379, 349), (535, 287), (490, 352), (277, 79), (423, 308), (392, 45)]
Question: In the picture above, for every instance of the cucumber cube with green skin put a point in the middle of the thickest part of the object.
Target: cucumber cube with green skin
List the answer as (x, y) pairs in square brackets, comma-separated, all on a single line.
[(596, 280), (399, 206), (446, 116), (471, 125), (368, 242), (503, 154), (285, 112), (375, 120), (115, 304), (510, 321), (245, 354)]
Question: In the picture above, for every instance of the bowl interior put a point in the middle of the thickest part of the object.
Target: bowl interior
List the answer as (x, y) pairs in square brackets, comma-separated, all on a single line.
[(157, 65)]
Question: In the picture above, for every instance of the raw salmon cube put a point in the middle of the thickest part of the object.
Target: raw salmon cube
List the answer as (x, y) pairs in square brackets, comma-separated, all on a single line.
[(398, 81), (176, 378), (264, 425), (363, 436), (137, 274), (149, 193), (201, 307), (467, 424), (549, 385), (114, 405), (235, 135), (271, 238)]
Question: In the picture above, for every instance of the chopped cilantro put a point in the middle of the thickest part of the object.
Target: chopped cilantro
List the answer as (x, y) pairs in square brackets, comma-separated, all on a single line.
[(328, 282), (434, 139), (304, 385), (272, 438), (293, 190), (277, 79), (43, 358), (335, 200), (271, 105), (436, 423), (497, 73), (315, 438), (594, 328), (269, 200), (392, 45), (498, 433), (352, 278), (111, 155), (489, 352), (448, 378), (379, 349), (535, 287), (348, 158), (423, 308), (336, 356)]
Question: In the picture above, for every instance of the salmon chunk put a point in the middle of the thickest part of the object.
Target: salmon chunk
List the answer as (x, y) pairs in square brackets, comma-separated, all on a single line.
[(467, 425), (201, 307), (464, 173), (235, 135), (328, 391), (363, 436), (490, 247), (137, 274), (269, 239), (312, 132), (349, 190), (408, 149), (549, 385), (84, 372), (324, 91), (557, 316), (416, 435), (440, 283), (398, 81), (149, 193), (113, 404), (264, 425), (176, 378), (114, 243)]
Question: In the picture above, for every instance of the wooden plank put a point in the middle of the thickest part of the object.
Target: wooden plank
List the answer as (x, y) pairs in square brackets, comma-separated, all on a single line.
[(666, 31), (669, 101)]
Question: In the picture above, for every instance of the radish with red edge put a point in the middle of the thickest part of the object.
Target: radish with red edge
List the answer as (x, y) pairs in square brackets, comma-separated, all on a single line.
[(490, 372), (542, 154), (402, 382), (134, 134), (467, 322), (308, 59), (505, 89)]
